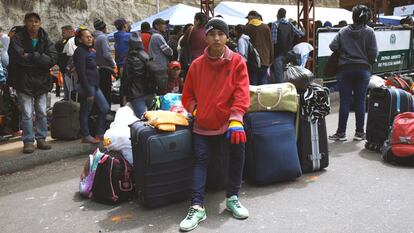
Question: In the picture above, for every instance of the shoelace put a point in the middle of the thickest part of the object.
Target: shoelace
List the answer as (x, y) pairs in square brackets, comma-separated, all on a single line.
[(191, 213), (236, 203)]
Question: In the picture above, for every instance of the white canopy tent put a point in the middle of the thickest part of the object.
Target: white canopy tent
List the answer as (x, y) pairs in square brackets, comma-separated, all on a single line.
[(239, 10), (179, 14)]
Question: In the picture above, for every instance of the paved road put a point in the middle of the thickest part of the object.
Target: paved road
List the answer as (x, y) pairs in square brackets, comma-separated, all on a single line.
[(357, 193)]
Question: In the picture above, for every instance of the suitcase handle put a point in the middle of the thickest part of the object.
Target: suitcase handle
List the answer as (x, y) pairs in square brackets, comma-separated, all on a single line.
[(280, 91)]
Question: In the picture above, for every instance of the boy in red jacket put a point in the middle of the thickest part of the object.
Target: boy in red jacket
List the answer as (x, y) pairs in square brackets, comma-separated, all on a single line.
[(216, 91)]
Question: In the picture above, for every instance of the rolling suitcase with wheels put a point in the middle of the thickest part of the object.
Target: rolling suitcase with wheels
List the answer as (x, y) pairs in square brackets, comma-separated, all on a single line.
[(384, 104), (163, 163), (271, 152), (313, 145)]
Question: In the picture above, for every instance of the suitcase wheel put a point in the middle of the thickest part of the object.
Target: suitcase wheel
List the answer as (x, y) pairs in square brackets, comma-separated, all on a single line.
[(378, 148), (387, 157), (367, 146)]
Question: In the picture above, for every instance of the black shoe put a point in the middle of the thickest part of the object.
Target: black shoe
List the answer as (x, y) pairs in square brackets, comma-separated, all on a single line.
[(338, 137), (41, 144), (359, 136), (28, 148)]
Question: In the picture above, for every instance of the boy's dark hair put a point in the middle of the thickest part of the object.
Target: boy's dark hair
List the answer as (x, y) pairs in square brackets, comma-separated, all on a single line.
[(177, 30), (281, 13), (201, 17), (67, 28), (145, 27), (361, 14), (239, 29)]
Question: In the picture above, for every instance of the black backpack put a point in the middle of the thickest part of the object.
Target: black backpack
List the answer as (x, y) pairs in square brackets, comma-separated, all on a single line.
[(113, 179), (253, 56), (155, 74)]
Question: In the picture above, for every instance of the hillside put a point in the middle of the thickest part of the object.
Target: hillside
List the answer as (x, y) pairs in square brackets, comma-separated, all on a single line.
[(56, 13)]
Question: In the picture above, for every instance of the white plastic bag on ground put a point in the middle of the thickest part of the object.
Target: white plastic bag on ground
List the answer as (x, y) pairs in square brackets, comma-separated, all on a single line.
[(376, 81), (116, 138)]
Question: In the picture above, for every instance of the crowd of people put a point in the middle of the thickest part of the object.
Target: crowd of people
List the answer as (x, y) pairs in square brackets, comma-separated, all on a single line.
[(211, 63)]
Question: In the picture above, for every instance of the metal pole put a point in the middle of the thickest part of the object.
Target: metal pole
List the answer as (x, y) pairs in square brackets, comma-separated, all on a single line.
[(158, 6)]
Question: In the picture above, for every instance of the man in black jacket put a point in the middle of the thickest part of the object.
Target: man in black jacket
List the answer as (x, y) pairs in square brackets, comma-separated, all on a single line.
[(32, 54)]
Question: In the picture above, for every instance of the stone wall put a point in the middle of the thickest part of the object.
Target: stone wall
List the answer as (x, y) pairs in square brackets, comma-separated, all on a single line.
[(56, 13)]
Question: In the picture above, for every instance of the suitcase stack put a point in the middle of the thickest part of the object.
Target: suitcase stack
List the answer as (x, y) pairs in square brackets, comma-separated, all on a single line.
[(162, 164), (271, 152), (384, 105)]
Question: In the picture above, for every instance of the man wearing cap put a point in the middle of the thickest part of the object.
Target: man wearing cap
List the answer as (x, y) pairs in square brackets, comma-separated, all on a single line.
[(216, 91), (121, 51), (283, 36), (261, 39), (104, 59), (158, 47), (32, 54), (68, 34)]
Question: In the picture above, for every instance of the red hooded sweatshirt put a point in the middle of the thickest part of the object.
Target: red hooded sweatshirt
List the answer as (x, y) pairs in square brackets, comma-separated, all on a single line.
[(219, 89)]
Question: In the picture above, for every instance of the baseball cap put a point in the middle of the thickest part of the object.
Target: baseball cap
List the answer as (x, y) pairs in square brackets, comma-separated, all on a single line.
[(159, 21), (253, 13), (174, 64)]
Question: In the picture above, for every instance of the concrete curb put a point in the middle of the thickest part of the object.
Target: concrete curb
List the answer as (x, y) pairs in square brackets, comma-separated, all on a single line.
[(59, 151)]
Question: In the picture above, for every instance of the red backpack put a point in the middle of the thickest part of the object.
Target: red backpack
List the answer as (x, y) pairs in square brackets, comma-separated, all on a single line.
[(399, 147), (402, 135)]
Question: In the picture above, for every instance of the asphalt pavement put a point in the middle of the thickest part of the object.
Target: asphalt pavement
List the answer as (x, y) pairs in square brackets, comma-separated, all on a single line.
[(356, 193)]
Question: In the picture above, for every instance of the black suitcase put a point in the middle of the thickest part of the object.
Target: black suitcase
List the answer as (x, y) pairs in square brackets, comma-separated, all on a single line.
[(384, 104), (163, 164), (312, 145), (65, 120), (271, 151)]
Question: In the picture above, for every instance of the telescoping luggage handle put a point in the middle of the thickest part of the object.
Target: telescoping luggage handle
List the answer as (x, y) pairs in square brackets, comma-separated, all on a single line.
[(316, 155), (269, 107)]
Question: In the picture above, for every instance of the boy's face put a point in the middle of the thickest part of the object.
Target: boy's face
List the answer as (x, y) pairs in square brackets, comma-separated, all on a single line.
[(175, 72), (216, 39)]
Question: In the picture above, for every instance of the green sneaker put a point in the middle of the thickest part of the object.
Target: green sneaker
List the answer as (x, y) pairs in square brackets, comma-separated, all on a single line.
[(194, 216), (233, 205)]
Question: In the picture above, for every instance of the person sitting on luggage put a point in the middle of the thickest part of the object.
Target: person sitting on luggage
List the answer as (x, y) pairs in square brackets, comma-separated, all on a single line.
[(138, 93), (216, 91), (86, 68), (175, 84)]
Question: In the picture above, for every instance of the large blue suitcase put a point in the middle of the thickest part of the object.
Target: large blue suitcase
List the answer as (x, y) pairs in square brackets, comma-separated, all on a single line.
[(271, 152), (163, 164)]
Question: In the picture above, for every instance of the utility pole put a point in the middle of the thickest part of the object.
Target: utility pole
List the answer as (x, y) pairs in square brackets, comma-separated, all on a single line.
[(158, 6)]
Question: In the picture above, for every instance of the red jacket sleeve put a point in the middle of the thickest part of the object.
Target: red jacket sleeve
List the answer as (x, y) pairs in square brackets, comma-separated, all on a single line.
[(189, 99), (241, 93)]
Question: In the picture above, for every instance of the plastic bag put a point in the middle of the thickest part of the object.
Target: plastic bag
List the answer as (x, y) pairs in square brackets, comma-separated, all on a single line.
[(116, 138), (298, 76), (375, 82), (169, 100)]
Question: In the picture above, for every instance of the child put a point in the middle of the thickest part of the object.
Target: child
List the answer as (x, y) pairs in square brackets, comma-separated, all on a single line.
[(175, 84), (216, 91)]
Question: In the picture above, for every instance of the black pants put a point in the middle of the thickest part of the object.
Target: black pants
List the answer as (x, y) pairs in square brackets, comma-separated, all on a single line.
[(106, 84)]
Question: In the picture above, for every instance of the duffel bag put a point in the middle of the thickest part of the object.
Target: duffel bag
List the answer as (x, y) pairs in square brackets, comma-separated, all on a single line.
[(273, 97)]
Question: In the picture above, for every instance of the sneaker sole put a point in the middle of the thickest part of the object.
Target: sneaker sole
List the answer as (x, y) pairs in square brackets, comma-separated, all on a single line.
[(359, 139), (195, 226), (338, 139), (236, 216)]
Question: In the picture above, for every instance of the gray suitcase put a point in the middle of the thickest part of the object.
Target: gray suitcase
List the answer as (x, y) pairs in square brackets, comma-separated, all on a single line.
[(65, 120)]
